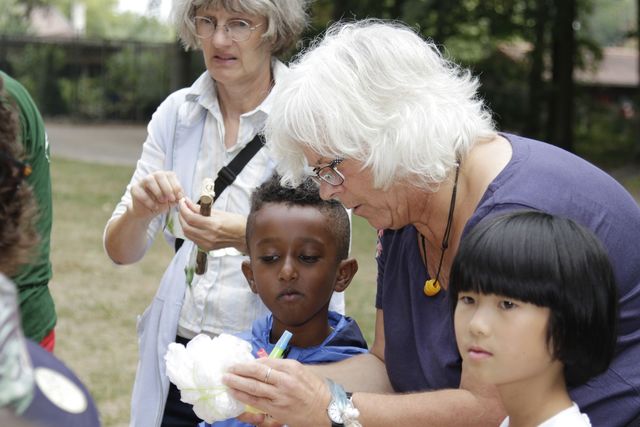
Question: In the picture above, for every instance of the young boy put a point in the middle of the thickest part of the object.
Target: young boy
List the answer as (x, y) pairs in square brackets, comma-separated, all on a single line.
[(535, 307), (298, 256)]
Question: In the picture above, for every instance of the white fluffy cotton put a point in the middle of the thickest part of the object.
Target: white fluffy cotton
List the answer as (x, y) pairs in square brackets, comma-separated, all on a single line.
[(197, 372)]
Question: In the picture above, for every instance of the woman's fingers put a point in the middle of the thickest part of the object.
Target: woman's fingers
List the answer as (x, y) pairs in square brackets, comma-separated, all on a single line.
[(141, 199), (290, 385), (254, 378), (193, 207), (155, 193), (246, 382), (175, 186), (163, 186), (190, 221), (203, 231), (167, 192)]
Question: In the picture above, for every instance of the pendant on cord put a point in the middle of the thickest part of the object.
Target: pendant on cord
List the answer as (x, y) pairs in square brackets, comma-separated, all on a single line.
[(431, 287)]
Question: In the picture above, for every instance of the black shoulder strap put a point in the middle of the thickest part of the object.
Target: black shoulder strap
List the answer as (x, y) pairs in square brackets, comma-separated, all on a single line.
[(227, 174)]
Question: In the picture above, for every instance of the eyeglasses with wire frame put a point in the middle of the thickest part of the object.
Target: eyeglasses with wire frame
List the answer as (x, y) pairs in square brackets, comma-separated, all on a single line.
[(239, 30), (328, 173)]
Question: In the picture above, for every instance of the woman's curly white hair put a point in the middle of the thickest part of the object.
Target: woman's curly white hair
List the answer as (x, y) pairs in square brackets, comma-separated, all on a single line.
[(378, 93)]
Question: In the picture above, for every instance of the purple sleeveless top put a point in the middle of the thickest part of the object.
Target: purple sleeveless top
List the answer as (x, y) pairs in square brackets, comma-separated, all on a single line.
[(420, 348)]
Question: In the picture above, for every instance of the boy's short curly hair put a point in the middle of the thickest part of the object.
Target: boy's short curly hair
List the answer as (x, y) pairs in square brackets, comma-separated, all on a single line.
[(306, 194), (17, 206)]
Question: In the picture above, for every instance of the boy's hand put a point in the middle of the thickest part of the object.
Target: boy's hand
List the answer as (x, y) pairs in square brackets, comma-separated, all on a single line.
[(259, 420)]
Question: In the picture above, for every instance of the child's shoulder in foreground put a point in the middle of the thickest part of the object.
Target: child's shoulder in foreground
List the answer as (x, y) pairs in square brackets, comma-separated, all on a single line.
[(570, 417)]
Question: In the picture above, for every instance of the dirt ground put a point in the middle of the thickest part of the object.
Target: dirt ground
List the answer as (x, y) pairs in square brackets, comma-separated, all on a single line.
[(113, 144)]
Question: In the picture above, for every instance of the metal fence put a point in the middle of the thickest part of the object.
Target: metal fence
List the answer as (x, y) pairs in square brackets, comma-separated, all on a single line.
[(98, 79)]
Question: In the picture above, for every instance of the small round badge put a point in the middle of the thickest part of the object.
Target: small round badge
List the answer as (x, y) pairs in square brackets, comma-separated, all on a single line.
[(61, 391)]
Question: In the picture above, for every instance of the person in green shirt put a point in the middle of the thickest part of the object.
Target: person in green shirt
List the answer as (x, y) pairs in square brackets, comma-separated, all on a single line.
[(38, 314), (36, 388)]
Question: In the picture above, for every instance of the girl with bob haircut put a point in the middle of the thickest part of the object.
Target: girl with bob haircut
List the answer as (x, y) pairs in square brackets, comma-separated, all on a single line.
[(193, 134), (535, 310), (398, 133)]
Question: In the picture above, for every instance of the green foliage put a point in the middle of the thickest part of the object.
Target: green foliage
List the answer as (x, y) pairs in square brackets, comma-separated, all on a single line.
[(11, 18), (603, 134), (130, 26), (102, 20), (38, 68), (504, 88), (84, 96), (137, 79), (129, 85), (472, 44), (612, 22)]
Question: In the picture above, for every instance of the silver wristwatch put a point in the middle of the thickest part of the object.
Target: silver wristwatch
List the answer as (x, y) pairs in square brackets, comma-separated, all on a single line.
[(341, 411)]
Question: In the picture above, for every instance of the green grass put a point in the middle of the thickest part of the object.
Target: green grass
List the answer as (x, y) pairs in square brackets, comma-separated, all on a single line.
[(632, 184), (98, 302)]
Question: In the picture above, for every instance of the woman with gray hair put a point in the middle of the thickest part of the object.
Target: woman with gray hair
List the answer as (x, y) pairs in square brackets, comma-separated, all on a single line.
[(194, 133), (398, 133)]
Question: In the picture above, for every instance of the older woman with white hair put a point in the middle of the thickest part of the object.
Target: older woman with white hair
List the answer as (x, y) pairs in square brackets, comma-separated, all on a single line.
[(194, 133), (398, 133)]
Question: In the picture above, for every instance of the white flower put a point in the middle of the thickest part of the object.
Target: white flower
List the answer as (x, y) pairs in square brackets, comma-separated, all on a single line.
[(197, 372)]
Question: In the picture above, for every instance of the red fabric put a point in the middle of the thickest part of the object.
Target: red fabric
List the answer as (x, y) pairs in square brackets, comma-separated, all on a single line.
[(49, 341)]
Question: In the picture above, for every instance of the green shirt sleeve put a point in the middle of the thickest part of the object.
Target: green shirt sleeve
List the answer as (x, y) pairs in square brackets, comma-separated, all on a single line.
[(36, 304)]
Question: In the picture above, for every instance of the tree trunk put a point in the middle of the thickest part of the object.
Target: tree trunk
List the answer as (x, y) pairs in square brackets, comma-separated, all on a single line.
[(540, 11), (561, 109)]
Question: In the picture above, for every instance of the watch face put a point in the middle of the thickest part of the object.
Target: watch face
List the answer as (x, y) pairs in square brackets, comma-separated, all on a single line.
[(334, 413)]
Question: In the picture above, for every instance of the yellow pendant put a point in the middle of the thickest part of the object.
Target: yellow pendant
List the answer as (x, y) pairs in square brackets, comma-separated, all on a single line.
[(431, 287)]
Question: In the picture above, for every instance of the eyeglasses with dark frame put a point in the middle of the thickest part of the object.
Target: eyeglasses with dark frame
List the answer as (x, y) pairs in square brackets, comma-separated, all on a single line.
[(328, 173), (239, 30)]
